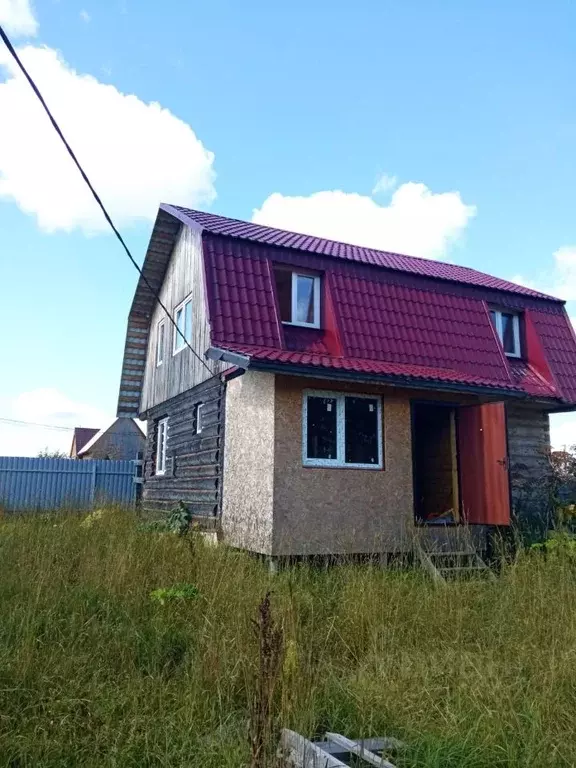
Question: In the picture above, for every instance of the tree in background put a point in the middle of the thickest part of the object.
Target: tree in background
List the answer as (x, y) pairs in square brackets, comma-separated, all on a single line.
[(48, 454)]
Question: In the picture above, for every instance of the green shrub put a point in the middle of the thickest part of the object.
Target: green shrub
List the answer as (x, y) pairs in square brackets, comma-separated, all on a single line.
[(177, 592)]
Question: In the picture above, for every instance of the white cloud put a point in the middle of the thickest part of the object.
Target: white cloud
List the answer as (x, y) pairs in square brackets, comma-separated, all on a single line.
[(562, 430), (384, 183), (50, 407), (17, 18), (136, 154), (85, 16), (558, 281), (416, 221)]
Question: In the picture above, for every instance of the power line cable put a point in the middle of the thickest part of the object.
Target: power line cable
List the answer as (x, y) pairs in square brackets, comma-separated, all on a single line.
[(20, 423), (56, 127)]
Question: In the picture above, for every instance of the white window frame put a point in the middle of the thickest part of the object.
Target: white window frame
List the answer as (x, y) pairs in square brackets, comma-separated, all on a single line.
[(198, 409), (340, 461), (175, 348), (515, 329), (160, 347), (294, 302), (161, 446)]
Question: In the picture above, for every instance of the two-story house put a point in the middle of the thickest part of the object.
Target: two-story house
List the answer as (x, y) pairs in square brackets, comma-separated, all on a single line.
[(337, 396)]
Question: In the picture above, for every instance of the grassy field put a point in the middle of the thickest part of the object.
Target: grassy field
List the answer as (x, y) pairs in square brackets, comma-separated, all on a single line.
[(96, 672)]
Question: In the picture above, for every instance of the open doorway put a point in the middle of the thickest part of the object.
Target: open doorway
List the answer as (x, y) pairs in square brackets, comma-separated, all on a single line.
[(435, 464)]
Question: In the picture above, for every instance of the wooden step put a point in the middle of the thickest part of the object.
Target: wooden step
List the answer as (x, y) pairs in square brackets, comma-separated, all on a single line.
[(453, 565), (463, 570)]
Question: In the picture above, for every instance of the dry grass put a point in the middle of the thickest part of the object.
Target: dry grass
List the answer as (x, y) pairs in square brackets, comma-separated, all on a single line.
[(94, 672)]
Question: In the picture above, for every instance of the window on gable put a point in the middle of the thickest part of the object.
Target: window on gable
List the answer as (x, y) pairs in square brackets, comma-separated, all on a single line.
[(161, 444), (342, 430), (298, 297), (507, 326), (160, 336), (198, 413), (183, 320)]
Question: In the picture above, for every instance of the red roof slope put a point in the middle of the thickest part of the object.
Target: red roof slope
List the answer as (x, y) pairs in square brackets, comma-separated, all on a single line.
[(257, 233), (81, 436), (396, 323)]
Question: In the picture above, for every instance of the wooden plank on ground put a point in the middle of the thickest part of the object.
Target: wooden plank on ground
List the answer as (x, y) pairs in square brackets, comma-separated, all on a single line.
[(302, 753), (357, 748)]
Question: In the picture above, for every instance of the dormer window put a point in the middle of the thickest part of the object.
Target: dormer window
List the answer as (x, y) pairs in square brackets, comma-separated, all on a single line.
[(298, 297), (507, 326)]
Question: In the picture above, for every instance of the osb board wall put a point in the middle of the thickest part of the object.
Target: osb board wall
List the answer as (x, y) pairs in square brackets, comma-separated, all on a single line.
[(249, 462), (319, 510)]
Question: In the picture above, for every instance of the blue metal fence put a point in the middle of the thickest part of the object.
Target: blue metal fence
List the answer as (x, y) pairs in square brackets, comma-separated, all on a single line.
[(34, 484)]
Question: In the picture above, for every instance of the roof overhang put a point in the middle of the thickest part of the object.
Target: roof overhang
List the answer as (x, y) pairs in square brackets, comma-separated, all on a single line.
[(407, 382)]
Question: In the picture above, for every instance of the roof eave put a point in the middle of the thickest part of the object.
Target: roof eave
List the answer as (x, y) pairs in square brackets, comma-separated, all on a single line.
[(393, 379)]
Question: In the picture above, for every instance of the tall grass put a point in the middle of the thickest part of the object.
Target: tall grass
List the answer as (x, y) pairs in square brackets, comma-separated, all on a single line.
[(94, 672)]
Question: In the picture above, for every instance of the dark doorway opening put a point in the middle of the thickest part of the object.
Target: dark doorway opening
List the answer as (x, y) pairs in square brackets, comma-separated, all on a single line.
[(435, 464)]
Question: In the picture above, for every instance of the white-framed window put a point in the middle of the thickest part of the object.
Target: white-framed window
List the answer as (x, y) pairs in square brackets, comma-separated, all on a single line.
[(298, 297), (507, 326), (183, 320), (161, 443), (160, 342), (198, 411), (341, 430)]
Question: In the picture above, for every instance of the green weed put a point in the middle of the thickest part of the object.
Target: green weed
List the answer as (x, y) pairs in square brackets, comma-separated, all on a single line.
[(94, 672)]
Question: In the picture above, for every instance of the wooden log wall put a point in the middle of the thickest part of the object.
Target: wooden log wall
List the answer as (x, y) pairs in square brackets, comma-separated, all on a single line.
[(528, 451), (194, 461)]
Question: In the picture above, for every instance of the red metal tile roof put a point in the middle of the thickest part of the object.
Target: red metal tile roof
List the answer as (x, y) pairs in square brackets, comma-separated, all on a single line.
[(369, 367), (400, 324), (559, 342), (395, 323), (530, 381), (257, 233)]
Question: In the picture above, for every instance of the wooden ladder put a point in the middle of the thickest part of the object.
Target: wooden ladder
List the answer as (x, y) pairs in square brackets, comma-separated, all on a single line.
[(444, 565)]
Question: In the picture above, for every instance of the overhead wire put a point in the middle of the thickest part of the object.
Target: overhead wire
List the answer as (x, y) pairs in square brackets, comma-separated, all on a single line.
[(21, 423), (107, 216)]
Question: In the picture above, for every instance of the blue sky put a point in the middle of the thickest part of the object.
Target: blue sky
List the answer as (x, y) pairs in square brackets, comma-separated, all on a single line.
[(440, 128)]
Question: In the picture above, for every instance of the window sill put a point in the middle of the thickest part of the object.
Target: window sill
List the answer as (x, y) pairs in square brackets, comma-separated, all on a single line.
[(301, 325), (180, 349), (160, 474), (332, 465), (513, 355)]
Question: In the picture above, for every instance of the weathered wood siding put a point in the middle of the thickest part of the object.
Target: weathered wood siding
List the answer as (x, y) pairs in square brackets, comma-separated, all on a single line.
[(194, 462), (182, 371), (528, 449)]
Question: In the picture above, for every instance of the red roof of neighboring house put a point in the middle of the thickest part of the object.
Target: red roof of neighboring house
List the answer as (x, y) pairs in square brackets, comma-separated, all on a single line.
[(81, 436)]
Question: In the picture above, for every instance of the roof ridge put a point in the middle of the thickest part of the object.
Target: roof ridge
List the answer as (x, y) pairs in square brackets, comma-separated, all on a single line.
[(328, 245), (321, 237)]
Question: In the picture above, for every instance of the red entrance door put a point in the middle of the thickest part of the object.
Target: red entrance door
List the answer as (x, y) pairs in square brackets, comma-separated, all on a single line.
[(484, 479)]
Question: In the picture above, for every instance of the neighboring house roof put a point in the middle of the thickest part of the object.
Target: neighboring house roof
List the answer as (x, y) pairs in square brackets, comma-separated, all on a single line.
[(81, 437), (94, 440), (399, 318)]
